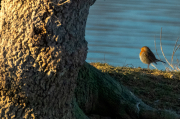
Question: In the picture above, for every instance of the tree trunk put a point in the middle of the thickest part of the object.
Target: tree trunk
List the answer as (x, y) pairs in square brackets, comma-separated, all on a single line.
[(42, 48)]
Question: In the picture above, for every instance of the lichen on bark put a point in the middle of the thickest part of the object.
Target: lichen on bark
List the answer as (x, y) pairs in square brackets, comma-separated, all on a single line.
[(42, 48)]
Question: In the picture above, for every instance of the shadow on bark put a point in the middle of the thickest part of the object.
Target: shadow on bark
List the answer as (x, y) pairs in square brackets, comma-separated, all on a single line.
[(101, 97)]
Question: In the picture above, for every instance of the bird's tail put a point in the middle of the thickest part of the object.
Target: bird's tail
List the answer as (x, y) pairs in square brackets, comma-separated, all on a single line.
[(160, 61)]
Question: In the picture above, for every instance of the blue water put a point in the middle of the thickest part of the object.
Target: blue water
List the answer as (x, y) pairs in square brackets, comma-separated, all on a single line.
[(117, 29)]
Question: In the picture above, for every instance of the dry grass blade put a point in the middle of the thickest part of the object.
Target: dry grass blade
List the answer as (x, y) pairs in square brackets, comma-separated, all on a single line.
[(163, 52), (174, 50), (153, 66), (177, 63), (177, 48), (155, 47), (156, 50)]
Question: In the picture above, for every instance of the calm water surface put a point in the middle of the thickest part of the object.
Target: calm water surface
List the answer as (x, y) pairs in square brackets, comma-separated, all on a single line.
[(117, 29)]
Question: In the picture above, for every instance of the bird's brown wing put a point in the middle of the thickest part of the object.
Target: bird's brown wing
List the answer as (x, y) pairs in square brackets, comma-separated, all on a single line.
[(151, 56)]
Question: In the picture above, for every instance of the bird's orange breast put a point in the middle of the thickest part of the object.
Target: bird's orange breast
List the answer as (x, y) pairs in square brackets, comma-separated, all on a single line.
[(141, 52)]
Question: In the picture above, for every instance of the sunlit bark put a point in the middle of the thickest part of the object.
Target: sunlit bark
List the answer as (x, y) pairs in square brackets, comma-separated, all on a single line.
[(42, 48)]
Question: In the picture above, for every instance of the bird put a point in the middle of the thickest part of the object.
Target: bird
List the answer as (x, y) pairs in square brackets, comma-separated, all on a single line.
[(147, 57)]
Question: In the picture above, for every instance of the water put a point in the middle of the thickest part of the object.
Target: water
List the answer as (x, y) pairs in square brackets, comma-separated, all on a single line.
[(116, 30)]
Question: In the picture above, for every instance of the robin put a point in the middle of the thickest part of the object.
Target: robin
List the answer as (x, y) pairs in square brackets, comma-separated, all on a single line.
[(146, 56)]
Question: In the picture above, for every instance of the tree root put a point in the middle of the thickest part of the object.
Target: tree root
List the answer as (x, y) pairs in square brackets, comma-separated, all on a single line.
[(98, 93)]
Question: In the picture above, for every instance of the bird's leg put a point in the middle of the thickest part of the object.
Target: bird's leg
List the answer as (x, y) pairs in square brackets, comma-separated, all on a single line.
[(148, 66)]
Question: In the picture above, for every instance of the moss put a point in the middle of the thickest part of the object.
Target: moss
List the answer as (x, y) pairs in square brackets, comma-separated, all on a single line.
[(79, 114)]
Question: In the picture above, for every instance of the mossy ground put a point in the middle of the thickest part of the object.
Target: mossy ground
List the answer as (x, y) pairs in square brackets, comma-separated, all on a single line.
[(159, 89)]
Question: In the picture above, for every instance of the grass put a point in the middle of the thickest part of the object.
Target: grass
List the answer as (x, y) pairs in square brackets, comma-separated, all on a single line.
[(159, 89)]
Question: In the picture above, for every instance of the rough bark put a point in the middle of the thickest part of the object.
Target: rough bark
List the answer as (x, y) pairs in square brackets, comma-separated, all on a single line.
[(102, 97), (42, 48)]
